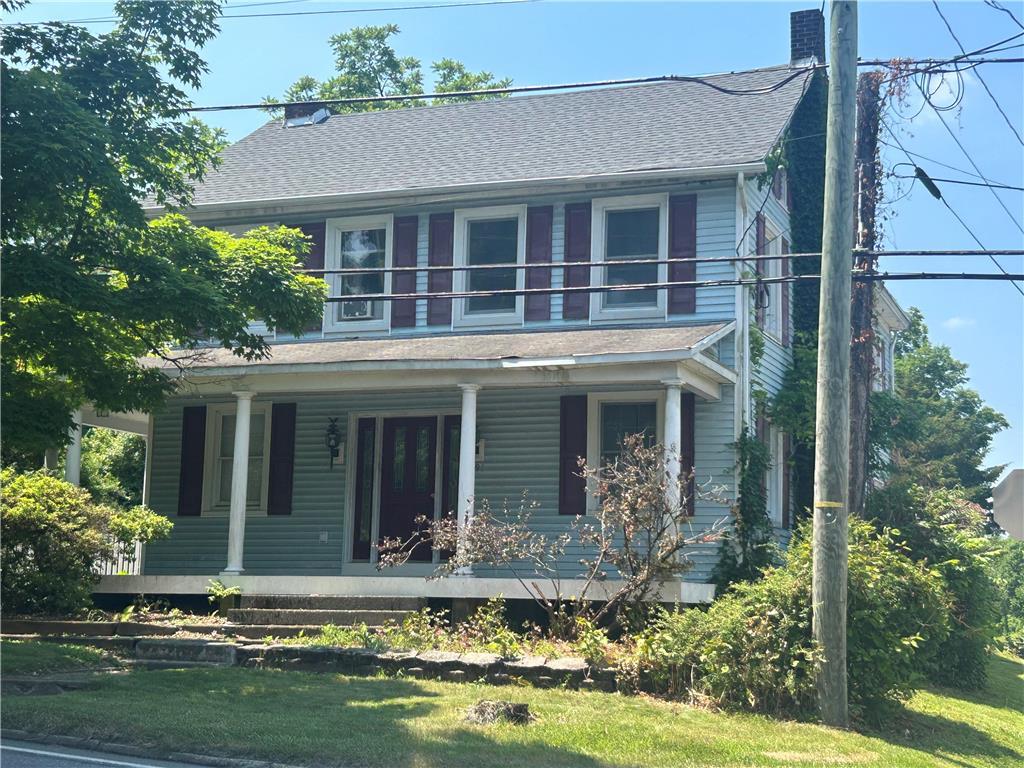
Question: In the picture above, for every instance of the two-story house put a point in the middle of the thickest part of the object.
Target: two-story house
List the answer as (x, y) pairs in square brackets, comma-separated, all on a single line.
[(391, 409)]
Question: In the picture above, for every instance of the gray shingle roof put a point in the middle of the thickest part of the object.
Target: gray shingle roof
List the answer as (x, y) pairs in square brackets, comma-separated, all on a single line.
[(462, 348), (656, 126)]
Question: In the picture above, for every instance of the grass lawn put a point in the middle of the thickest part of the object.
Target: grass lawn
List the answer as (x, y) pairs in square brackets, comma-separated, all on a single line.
[(30, 658), (350, 721)]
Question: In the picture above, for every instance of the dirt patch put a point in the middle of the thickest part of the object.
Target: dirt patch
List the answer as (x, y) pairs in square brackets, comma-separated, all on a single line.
[(486, 712)]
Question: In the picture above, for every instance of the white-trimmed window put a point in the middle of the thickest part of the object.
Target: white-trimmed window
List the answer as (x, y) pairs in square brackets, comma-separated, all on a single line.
[(489, 238), (220, 450), (771, 293), (613, 415), (626, 230), (773, 486), (355, 243)]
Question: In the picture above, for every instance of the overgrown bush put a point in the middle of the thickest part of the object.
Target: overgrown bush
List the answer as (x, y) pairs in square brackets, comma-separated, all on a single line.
[(51, 536), (946, 533), (1008, 566), (752, 648)]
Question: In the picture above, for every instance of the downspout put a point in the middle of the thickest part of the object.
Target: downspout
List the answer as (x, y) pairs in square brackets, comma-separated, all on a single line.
[(742, 313)]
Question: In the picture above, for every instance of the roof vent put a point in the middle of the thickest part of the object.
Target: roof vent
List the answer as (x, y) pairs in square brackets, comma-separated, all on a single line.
[(297, 116)]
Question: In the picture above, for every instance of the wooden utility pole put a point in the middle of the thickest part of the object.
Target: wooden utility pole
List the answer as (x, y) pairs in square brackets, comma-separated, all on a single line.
[(862, 359), (832, 419)]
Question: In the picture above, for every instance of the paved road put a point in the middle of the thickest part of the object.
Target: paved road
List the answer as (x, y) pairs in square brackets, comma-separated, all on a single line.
[(23, 754)]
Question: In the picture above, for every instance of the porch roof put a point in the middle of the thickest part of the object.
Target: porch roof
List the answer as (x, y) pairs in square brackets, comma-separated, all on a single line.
[(538, 348)]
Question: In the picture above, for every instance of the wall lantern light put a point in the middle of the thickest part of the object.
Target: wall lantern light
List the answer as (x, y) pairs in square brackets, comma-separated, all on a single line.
[(332, 439)]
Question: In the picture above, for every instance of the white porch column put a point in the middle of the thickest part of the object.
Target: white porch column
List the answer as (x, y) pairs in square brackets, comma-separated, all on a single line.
[(239, 483), (73, 458), (673, 439), (467, 459)]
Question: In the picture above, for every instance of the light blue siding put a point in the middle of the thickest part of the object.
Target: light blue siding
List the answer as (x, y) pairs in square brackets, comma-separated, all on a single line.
[(521, 430), (716, 203)]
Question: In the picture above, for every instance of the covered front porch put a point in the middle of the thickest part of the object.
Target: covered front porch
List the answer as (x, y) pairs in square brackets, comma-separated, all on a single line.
[(343, 453)]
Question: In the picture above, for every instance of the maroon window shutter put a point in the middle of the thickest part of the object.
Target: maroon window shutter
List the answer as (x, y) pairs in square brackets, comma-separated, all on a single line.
[(193, 449), (759, 249), (786, 327), (785, 481), (317, 232), (682, 247), (572, 487), (576, 305), (538, 251), (688, 449), (282, 459), (403, 313), (442, 231)]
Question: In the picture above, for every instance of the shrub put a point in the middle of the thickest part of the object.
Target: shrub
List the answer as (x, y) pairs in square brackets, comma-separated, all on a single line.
[(52, 536), (945, 532), (753, 649), (1008, 565), (488, 630)]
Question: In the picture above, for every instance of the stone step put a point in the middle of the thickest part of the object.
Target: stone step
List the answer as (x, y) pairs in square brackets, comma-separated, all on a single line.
[(333, 602), (314, 617)]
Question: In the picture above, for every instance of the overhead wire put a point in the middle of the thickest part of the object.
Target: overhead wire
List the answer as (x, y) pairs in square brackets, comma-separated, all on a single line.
[(974, 165), (981, 80)]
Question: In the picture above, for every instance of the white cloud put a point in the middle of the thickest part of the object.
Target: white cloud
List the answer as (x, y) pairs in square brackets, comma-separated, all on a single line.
[(956, 322)]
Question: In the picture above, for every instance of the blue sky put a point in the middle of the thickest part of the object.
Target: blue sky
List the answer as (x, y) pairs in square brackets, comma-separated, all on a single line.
[(545, 42)]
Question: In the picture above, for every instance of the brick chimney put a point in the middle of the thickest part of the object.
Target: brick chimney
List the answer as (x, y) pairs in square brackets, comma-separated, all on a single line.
[(806, 36)]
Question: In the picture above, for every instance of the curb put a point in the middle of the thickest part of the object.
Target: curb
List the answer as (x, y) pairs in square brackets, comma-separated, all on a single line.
[(132, 750)]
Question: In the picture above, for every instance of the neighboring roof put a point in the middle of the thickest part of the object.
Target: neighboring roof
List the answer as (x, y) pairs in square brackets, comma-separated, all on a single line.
[(666, 126), (888, 311), (487, 350)]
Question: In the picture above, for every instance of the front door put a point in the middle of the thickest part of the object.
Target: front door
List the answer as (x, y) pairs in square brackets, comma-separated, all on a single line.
[(407, 487)]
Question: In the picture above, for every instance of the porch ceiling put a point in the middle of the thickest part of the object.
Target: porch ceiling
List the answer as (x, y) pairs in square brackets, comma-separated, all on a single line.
[(532, 349)]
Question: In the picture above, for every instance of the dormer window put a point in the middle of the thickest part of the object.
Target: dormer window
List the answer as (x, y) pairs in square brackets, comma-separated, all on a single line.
[(628, 233), (358, 243)]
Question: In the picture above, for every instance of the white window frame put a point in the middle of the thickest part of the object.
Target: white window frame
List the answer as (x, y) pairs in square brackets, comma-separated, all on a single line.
[(598, 246), (773, 483), (214, 424), (333, 261), (773, 268), (594, 402), (463, 217)]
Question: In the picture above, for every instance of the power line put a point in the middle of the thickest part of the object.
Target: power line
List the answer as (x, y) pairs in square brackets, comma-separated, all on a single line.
[(933, 160), (974, 165), (432, 6), (999, 7), (652, 261), (863, 276), (802, 72), (961, 181), (981, 80)]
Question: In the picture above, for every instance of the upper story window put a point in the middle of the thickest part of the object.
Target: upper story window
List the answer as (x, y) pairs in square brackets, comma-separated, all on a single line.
[(490, 238), (220, 463), (356, 243), (625, 230)]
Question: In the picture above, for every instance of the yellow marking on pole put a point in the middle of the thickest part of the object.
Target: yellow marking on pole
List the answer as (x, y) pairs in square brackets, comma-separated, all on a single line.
[(827, 504)]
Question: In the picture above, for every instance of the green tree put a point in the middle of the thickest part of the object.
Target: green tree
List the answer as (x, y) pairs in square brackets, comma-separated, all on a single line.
[(368, 65), (113, 465), (92, 127), (941, 429)]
